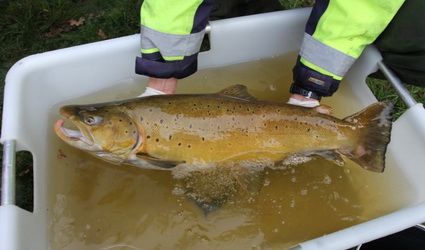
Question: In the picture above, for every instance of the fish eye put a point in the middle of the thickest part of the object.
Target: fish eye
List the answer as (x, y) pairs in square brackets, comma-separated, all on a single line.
[(91, 120)]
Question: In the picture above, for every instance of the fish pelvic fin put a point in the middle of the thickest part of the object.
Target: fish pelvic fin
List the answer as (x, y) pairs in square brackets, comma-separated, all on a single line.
[(238, 91), (250, 179), (375, 122)]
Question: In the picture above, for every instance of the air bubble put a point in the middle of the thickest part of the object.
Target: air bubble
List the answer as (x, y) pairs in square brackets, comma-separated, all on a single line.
[(327, 179)]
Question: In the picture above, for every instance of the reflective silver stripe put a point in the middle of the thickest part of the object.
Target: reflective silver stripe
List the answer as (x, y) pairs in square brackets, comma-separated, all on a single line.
[(171, 45), (325, 57)]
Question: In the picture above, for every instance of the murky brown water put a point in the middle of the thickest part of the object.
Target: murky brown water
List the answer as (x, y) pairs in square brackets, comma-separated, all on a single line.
[(96, 205)]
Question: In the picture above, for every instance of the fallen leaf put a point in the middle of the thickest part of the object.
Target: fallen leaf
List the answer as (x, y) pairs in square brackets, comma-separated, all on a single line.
[(26, 171), (54, 33), (74, 22), (102, 34)]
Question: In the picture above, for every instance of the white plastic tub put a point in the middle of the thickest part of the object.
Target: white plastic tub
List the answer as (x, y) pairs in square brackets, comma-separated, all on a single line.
[(37, 83)]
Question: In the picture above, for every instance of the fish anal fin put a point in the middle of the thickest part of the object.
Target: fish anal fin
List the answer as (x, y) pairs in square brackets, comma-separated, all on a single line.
[(238, 91), (250, 179), (331, 156), (166, 164)]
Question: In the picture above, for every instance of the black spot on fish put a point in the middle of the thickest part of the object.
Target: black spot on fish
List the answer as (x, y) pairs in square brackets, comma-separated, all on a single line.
[(179, 144), (134, 132), (276, 127), (203, 138), (120, 120), (126, 132), (141, 119), (157, 140), (148, 137), (189, 146), (170, 137), (161, 121), (308, 130)]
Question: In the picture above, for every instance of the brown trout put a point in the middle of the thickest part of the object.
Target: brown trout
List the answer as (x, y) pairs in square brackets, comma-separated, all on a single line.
[(229, 128)]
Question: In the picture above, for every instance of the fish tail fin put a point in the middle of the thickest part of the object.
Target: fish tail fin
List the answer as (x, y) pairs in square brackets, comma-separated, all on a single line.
[(375, 123)]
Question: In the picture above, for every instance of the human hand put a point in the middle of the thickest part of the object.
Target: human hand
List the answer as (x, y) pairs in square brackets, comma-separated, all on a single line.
[(300, 100), (159, 86)]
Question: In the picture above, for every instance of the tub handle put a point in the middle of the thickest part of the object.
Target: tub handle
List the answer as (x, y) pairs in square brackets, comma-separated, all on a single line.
[(397, 84), (8, 189)]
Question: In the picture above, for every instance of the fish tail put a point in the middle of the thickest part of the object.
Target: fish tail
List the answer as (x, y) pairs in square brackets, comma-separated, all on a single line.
[(375, 124)]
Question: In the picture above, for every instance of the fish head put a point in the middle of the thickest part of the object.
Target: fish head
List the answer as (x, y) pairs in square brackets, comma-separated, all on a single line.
[(106, 132)]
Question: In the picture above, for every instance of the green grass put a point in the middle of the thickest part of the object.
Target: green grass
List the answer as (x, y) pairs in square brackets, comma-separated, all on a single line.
[(293, 4), (34, 26), (383, 91)]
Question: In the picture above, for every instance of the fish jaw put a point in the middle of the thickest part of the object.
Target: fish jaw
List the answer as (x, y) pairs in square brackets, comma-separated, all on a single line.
[(80, 139)]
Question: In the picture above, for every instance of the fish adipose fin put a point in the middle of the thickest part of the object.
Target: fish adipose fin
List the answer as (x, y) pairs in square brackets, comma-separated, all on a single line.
[(375, 122), (158, 162), (239, 92)]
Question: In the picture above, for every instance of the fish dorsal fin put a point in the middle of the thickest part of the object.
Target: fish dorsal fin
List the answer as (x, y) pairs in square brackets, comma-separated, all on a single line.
[(238, 91)]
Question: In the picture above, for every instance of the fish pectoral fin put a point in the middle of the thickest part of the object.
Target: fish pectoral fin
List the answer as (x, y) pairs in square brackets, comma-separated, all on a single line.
[(158, 162), (238, 91), (250, 179), (332, 156)]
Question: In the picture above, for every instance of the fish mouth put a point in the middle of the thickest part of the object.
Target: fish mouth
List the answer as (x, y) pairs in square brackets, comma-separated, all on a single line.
[(78, 138)]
